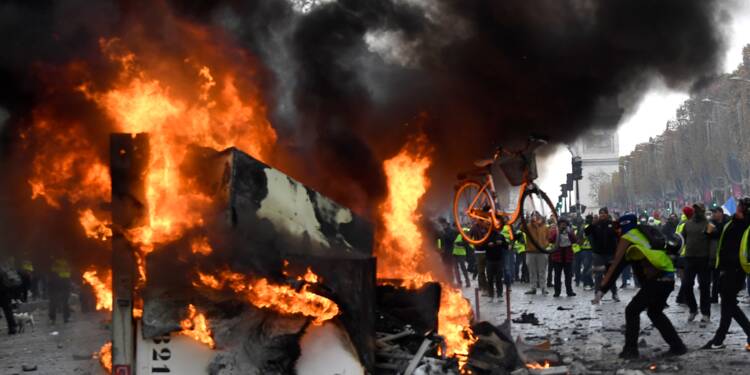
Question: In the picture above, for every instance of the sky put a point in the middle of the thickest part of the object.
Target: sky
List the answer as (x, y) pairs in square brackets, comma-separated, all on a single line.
[(655, 109)]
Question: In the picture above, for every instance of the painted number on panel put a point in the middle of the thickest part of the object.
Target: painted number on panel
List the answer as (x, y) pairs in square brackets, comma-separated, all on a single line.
[(160, 356)]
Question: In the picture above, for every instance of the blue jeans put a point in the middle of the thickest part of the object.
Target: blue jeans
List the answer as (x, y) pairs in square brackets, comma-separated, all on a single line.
[(582, 268)]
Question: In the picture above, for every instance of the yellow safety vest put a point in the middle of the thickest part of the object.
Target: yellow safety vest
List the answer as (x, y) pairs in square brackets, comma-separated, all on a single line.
[(641, 249), (518, 246), (679, 230), (576, 248), (744, 252), (458, 246), (27, 266), (61, 268), (586, 242)]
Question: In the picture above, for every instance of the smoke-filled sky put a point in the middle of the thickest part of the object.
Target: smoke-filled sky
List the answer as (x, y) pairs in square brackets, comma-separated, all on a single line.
[(659, 104), (347, 81)]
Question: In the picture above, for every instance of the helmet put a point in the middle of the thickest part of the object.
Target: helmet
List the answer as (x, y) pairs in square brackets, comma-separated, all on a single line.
[(628, 222)]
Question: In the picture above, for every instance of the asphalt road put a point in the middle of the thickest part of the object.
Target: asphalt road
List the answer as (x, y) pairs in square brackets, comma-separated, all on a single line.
[(54, 349), (590, 337), (587, 337)]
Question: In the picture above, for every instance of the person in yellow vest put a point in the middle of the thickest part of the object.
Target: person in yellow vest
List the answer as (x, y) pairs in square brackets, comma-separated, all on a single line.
[(459, 261), (583, 257), (521, 272), (59, 289), (656, 271), (733, 261)]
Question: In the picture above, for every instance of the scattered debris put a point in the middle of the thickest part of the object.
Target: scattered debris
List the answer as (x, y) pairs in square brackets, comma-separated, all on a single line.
[(493, 350), (527, 318)]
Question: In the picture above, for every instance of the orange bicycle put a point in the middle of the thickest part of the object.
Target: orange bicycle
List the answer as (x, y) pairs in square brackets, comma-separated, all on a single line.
[(475, 207)]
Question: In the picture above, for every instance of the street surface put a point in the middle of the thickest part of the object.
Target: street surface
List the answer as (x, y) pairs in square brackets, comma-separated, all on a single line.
[(54, 349), (589, 338)]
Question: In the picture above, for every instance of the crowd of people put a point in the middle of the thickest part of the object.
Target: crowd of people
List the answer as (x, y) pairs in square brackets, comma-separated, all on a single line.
[(573, 253), (597, 251)]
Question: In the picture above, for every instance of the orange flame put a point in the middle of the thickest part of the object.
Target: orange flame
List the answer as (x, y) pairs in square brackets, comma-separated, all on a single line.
[(203, 98), (196, 327), (538, 366), (201, 246), (66, 166), (281, 298), (95, 228), (216, 117), (105, 356), (102, 289), (401, 251)]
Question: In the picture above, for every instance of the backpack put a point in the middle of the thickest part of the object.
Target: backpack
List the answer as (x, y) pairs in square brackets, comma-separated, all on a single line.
[(656, 238), (9, 277)]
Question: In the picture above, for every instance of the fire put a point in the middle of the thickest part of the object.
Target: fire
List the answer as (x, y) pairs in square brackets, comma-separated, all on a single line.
[(102, 289), (287, 300), (205, 95), (278, 297), (407, 183), (196, 327), (538, 366), (95, 228), (401, 250), (105, 356), (66, 166), (309, 277), (215, 115), (201, 246)]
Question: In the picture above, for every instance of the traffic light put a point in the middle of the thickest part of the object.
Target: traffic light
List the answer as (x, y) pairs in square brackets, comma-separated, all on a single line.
[(569, 182), (577, 168)]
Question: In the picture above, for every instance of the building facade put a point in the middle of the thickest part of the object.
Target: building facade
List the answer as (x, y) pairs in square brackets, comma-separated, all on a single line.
[(599, 151)]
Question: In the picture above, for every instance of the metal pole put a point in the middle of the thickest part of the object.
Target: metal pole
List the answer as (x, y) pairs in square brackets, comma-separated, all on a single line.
[(476, 304), (128, 163), (578, 200)]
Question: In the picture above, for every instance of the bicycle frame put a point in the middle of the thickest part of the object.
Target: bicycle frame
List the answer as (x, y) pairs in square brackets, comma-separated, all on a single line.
[(512, 217)]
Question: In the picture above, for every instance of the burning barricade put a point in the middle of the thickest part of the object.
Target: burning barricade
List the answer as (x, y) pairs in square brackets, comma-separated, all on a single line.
[(219, 249), (273, 260)]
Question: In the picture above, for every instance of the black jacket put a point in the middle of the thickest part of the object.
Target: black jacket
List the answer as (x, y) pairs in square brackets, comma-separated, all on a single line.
[(495, 247), (729, 253), (603, 236)]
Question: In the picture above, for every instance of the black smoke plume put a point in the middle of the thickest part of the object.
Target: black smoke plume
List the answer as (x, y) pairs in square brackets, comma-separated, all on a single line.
[(347, 81)]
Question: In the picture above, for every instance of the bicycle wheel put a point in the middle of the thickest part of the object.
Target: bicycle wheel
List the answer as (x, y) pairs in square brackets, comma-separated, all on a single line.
[(535, 200), (472, 212)]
